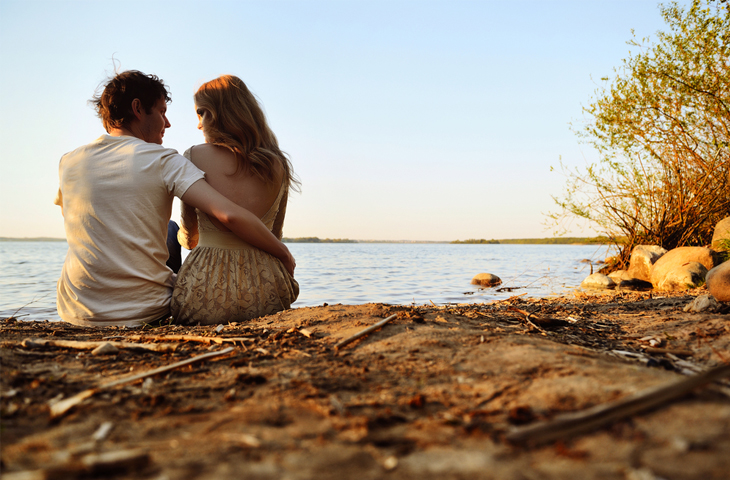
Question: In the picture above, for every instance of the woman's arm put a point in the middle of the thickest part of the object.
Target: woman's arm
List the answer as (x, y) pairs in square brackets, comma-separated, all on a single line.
[(244, 224), (188, 233)]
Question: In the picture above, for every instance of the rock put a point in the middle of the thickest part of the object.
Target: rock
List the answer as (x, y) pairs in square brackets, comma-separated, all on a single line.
[(618, 275), (643, 257), (611, 260), (703, 303), (624, 281), (634, 284), (722, 232), (688, 275), (486, 280), (598, 281), (105, 349), (676, 258), (718, 282)]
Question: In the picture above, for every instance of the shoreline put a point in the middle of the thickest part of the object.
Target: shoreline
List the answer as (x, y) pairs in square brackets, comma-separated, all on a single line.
[(435, 393), (513, 241)]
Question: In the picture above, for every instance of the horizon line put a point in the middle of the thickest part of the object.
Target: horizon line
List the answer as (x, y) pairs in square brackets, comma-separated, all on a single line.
[(341, 240)]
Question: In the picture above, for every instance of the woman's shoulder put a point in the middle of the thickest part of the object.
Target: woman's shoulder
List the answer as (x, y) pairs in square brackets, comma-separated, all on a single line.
[(201, 149), (204, 153)]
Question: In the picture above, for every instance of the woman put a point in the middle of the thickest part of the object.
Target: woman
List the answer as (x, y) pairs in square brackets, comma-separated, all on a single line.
[(225, 279)]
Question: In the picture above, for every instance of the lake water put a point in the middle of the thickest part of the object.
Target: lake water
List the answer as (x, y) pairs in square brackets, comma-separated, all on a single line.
[(348, 273)]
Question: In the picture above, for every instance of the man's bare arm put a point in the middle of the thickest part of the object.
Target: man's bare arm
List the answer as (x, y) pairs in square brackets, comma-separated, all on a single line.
[(240, 221), (187, 236)]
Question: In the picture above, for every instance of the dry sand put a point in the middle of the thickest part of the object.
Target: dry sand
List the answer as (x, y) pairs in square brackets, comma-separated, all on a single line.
[(433, 394)]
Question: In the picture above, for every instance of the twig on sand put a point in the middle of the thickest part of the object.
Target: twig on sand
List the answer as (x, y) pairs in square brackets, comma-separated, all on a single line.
[(527, 318), (60, 408), (81, 345), (509, 299), (362, 333), (681, 352), (90, 465), (190, 338), (580, 422), (537, 321)]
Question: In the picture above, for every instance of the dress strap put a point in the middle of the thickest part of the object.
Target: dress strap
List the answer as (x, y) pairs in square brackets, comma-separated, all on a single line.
[(274, 209)]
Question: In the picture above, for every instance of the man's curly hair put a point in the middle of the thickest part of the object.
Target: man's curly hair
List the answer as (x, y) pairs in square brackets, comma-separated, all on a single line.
[(114, 104)]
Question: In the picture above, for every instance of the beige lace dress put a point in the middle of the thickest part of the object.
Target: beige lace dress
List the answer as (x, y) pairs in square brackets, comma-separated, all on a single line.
[(224, 279)]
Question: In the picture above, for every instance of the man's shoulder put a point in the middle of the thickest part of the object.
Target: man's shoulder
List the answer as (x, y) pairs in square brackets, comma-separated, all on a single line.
[(108, 148), (108, 141), (84, 148), (133, 144), (142, 147)]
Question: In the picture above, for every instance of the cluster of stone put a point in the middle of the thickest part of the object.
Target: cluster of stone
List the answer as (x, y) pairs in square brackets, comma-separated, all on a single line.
[(653, 267)]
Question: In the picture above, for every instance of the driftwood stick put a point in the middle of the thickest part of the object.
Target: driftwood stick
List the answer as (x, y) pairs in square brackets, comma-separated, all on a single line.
[(580, 422), (362, 333), (190, 338), (527, 318), (538, 321), (91, 465), (82, 345), (674, 351), (63, 406)]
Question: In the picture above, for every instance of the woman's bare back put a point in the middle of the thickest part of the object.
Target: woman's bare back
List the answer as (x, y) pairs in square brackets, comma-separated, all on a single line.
[(224, 173)]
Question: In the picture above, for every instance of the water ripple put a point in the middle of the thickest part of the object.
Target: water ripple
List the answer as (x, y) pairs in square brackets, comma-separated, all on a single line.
[(345, 273)]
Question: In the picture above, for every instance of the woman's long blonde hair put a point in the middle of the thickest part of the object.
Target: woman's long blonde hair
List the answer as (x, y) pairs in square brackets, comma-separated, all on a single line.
[(236, 121)]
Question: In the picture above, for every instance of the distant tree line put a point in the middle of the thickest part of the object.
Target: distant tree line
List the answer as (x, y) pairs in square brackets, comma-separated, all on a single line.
[(31, 239), (477, 241), (317, 240), (600, 240)]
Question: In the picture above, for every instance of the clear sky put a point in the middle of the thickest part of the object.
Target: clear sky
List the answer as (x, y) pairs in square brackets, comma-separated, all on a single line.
[(405, 120)]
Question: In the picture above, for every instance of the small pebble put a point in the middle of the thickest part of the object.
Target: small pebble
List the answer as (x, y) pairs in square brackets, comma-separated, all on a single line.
[(390, 463), (105, 349), (103, 431), (703, 303)]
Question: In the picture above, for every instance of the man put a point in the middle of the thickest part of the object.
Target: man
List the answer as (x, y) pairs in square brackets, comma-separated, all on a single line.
[(116, 197)]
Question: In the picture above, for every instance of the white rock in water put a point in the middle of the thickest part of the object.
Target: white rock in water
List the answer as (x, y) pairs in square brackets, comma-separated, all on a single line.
[(598, 281), (703, 303), (486, 280)]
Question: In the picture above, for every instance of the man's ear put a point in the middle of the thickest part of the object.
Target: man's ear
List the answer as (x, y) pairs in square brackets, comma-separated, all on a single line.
[(137, 108)]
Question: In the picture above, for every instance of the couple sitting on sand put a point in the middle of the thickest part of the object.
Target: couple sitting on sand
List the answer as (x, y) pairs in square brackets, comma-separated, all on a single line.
[(116, 196)]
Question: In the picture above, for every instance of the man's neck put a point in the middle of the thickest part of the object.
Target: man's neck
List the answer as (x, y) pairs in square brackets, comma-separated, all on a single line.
[(122, 132)]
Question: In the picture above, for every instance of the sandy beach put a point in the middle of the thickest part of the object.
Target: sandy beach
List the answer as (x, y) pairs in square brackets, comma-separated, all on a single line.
[(438, 392)]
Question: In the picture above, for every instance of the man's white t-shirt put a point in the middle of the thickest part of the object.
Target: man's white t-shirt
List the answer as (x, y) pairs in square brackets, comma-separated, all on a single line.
[(116, 194)]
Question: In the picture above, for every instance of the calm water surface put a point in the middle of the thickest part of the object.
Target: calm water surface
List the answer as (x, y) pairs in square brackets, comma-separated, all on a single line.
[(348, 273)]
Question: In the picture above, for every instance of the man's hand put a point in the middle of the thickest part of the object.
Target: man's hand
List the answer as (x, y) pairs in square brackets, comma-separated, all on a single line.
[(289, 263), (240, 221)]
